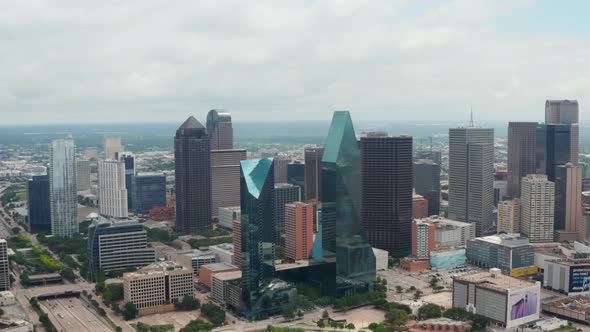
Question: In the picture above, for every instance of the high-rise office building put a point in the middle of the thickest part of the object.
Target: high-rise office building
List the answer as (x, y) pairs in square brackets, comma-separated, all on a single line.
[(129, 162), (565, 112), (225, 178), (284, 193), (537, 208), (112, 146), (219, 127), (237, 242), (296, 174), (112, 189), (280, 168), (38, 204), (62, 187), (193, 177), (299, 220), (386, 193), (313, 173), (569, 221), (82, 175), (257, 234), (435, 156), (427, 183), (4, 266), (115, 245), (553, 148), (148, 191), (509, 216), (471, 177), (342, 232), (522, 140)]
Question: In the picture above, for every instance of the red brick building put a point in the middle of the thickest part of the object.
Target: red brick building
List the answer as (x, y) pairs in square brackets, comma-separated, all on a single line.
[(419, 207)]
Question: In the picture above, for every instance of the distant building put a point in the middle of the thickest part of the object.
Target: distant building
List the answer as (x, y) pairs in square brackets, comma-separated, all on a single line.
[(112, 146), (299, 220), (419, 207), (508, 301), (565, 112), (510, 253), (148, 191), (112, 189), (4, 266), (537, 212), (193, 177), (38, 204), (225, 178), (313, 172), (570, 222), (386, 191), (224, 252), (553, 148), (220, 129), (82, 175), (115, 245), (158, 284), (435, 156), (471, 177), (227, 216), (296, 174), (284, 193), (427, 183), (207, 271), (62, 187), (197, 258), (522, 140), (129, 161), (280, 168), (509, 216)]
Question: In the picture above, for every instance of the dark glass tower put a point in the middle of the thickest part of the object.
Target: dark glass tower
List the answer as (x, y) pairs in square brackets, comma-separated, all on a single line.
[(129, 162), (521, 154), (313, 172), (386, 168), (427, 183), (193, 177), (342, 232), (38, 204), (148, 191), (553, 148)]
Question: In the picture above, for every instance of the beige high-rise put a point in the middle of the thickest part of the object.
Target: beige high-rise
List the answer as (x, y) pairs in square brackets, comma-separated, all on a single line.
[(112, 147), (570, 223), (565, 112), (225, 178), (509, 216), (537, 201)]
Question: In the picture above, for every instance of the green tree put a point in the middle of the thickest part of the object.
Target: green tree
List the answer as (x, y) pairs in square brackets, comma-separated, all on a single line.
[(350, 326), (214, 314), (197, 326), (288, 313), (129, 311), (188, 303), (299, 313), (397, 317), (428, 311), (399, 289), (321, 324), (417, 294), (457, 314), (325, 314)]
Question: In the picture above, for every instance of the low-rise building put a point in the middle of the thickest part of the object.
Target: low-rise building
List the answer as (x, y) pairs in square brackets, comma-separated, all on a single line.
[(511, 253), (381, 259), (227, 216), (7, 298), (208, 270), (198, 258), (224, 252), (221, 285), (506, 300), (15, 325), (571, 275)]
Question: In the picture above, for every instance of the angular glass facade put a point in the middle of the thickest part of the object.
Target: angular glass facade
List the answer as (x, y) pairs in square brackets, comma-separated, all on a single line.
[(343, 234), (553, 148)]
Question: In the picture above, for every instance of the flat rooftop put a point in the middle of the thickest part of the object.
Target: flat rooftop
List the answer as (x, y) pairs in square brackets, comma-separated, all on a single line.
[(507, 240), (499, 282), (226, 276), (288, 266), (219, 266), (572, 262)]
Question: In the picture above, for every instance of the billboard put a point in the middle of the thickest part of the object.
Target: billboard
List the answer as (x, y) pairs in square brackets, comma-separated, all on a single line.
[(523, 305), (579, 279), (449, 259), (524, 271)]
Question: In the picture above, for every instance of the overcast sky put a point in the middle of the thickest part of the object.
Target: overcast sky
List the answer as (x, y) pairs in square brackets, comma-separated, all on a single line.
[(68, 61)]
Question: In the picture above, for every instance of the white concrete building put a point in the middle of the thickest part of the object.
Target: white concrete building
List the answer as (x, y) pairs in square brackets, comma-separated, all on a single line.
[(537, 212), (112, 190), (224, 252)]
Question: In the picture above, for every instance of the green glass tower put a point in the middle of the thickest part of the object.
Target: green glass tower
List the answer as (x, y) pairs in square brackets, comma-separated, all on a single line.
[(343, 235), (262, 294)]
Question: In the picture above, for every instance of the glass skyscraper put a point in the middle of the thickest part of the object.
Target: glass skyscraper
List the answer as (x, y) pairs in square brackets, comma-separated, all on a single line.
[(38, 204), (148, 191), (62, 187), (553, 148)]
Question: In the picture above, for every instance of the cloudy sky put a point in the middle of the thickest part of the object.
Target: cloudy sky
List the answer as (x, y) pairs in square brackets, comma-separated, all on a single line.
[(68, 61)]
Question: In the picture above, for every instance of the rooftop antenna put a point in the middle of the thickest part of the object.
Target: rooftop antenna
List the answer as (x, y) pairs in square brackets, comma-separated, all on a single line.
[(471, 124)]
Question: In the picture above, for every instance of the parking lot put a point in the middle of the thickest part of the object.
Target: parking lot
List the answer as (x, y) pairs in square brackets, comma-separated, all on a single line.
[(71, 314)]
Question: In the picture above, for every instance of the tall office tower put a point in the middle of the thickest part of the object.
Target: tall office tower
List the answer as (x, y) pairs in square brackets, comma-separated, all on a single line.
[(280, 168), (112, 189), (386, 194), (537, 201), (258, 233), (220, 130), (509, 216), (313, 173), (4, 266), (129, 162), (299, 220), (553, 148), (112, 147), (342, 230), (193, 177), (225, 178), (82, 175), (148, 191), (522, 140), (62, 187), (296, 174), (237, 242), (118, 245), (423, 238), (435, 156), (570, 223), (284, 193), (39, 210), (471, 177), (565, 112), (427, 183)]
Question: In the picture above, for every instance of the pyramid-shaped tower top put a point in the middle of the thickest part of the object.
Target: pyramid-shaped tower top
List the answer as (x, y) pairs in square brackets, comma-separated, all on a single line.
[(191, 127), (191, 123), (341, 137), (255, 172)]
